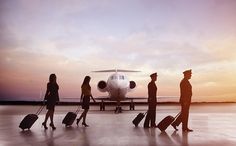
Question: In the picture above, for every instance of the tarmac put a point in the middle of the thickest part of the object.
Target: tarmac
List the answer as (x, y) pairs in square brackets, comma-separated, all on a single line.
[(213, 125)]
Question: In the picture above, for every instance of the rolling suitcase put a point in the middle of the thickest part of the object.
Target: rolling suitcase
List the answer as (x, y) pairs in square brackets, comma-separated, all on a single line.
[(166, 122), (30, 119), (70, 118), (138, 118)]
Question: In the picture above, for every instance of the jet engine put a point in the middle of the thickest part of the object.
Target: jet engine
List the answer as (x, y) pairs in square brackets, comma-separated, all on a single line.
[(102, 86), (132, 84)]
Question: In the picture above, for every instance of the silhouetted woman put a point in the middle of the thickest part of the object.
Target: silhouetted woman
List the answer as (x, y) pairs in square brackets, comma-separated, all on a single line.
[(51, 97), (85, 98)]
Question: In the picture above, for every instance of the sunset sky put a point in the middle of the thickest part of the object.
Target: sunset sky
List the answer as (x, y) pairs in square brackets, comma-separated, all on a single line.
[(71, 38)]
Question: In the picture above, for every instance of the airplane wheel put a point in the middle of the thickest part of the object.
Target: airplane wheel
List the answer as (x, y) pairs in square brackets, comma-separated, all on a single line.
[(102, 107), (131, 107)]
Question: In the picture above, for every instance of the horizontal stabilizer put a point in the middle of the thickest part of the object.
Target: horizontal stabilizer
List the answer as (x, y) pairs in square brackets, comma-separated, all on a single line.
[(116, 70)]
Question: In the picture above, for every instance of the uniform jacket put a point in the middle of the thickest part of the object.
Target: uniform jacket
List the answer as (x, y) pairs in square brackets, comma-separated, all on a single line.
[(185, 91), (152, 93)]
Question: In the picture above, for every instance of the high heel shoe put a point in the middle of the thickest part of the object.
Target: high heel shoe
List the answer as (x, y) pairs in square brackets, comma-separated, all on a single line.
[(53, 127), (85, 125), (44, 125), (77, 122)]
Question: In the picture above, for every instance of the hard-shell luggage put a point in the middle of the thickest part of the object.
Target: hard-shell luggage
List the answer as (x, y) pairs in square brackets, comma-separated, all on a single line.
[(166, 122), (138, 119), (70, 118), (30, 119)]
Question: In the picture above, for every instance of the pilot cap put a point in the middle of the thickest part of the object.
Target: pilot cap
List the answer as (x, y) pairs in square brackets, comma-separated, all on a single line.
[(187, 72), (153, 75)]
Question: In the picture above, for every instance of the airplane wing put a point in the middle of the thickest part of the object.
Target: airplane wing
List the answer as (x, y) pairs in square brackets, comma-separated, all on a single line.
[(136, 98), (127, 98), (102, 98)]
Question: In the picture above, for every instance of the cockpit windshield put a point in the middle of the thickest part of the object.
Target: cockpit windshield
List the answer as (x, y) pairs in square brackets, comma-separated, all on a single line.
[(120, 77), (113, 77)]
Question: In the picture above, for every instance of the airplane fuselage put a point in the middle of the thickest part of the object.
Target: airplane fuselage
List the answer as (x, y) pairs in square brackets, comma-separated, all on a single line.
[(117, 85)]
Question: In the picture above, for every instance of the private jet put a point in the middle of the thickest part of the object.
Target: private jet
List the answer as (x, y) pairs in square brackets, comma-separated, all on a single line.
[(117, 86)]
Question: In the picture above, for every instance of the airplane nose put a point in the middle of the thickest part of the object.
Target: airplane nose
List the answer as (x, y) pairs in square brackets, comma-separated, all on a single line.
[(115, 84)]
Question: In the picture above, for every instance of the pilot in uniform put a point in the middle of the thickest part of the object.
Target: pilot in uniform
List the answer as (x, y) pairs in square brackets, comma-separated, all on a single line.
[(152, 101), (185, 101)]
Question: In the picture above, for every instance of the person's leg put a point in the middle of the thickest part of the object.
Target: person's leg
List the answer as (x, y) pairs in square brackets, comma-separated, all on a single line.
[(184, 118), (78, 120), (187, 115), (51, 119), (84, 118), (147, 120), (46, 117), (44, 124), (81, 116), (153, 116), (185, 121), (51, 115)]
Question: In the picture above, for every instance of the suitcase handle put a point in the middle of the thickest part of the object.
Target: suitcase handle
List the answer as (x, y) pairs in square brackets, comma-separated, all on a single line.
[(40, 109), (177, 114), (77, 110)]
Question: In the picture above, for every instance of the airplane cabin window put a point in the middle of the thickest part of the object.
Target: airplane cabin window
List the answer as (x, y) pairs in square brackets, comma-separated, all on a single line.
[(113, 77), (121, 77)]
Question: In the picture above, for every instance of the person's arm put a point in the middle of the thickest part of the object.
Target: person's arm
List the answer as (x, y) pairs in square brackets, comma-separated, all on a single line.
[(58, 99), (47, 93), (81, 96), (150, 99)]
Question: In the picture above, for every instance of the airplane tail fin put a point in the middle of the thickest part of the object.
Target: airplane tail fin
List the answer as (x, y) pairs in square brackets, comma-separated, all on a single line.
[(115, 70)]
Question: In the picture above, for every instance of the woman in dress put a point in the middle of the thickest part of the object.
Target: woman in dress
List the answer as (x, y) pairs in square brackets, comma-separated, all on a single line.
[(85, 98), (51, 98)]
